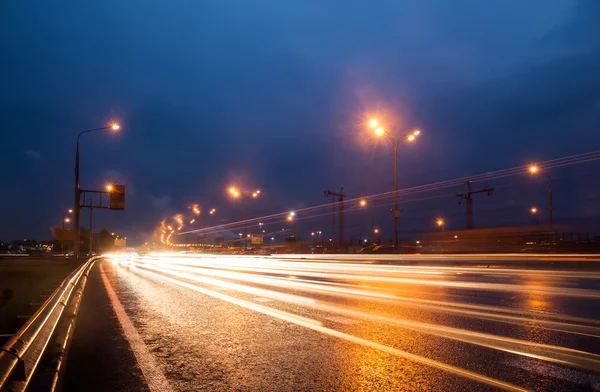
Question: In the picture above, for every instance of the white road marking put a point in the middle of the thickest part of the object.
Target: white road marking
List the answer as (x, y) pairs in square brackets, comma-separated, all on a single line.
[(156, 380), (342, 320), (261, 299), (317, 326)]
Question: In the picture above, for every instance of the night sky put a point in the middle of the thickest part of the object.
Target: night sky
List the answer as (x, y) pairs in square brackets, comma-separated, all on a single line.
[(274, 95)]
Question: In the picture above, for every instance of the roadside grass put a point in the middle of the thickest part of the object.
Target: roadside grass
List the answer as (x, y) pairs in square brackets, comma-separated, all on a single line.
[(28, 278)]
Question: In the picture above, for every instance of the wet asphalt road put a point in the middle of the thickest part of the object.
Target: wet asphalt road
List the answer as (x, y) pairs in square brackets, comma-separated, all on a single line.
[(191, 323)]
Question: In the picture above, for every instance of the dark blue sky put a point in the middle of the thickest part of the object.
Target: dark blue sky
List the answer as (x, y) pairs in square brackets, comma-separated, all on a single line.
[(273, 95)]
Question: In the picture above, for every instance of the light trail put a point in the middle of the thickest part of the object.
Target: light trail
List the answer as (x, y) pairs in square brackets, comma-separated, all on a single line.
[(317, 326), (544, 352), (498, 287), (350, 291), (269, 278)]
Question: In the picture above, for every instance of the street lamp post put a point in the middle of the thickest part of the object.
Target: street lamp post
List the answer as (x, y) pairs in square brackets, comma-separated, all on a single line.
[(534, 211), (65, 219), (76, 204), (380, 131), (91, 232), (441, 223), (290, 218), (62, 237), (245, 226), (244, 195), (534, 170)]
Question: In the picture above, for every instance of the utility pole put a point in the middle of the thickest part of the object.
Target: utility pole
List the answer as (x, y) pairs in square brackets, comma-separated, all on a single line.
[(468, 197), (341, 197), (91, 231), (372, 229)]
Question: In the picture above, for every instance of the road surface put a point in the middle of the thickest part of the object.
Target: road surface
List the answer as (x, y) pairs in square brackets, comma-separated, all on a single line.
[(239, 323)]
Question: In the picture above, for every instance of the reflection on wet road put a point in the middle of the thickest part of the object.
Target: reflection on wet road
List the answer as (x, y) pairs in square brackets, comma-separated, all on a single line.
[(264, 323)]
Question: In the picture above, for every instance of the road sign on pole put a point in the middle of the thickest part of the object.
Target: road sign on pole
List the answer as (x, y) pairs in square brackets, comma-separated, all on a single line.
[(256, 239), (117, 197)]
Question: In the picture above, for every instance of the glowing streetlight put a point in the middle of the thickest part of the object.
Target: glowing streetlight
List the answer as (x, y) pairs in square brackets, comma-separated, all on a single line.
[(534, 210), (77, 199), (381, 131), (376, 231), (533, 169), (64, 220), (109, 188), (363, 203), (440, 223), (236, 193)]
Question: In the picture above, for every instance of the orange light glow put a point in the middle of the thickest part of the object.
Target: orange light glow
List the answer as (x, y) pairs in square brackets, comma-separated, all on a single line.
[(373, 123), (533, 169), (417, 132), (411, 138), (379, 131), (363, 203), (67, 220), (109, 188), (534, 210), (115, 127)]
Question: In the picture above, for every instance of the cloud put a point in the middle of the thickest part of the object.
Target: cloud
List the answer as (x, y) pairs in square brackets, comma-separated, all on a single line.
[(33, 155)]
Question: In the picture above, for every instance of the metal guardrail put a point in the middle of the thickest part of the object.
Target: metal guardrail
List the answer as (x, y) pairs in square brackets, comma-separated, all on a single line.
[(21, 354)]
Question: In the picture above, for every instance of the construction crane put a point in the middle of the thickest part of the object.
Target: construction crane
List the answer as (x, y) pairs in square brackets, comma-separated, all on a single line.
[(468, 197), (341, 197)]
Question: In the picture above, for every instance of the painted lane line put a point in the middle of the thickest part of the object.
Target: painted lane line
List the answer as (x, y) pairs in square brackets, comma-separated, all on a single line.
[(155, 379), (317, 326)]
